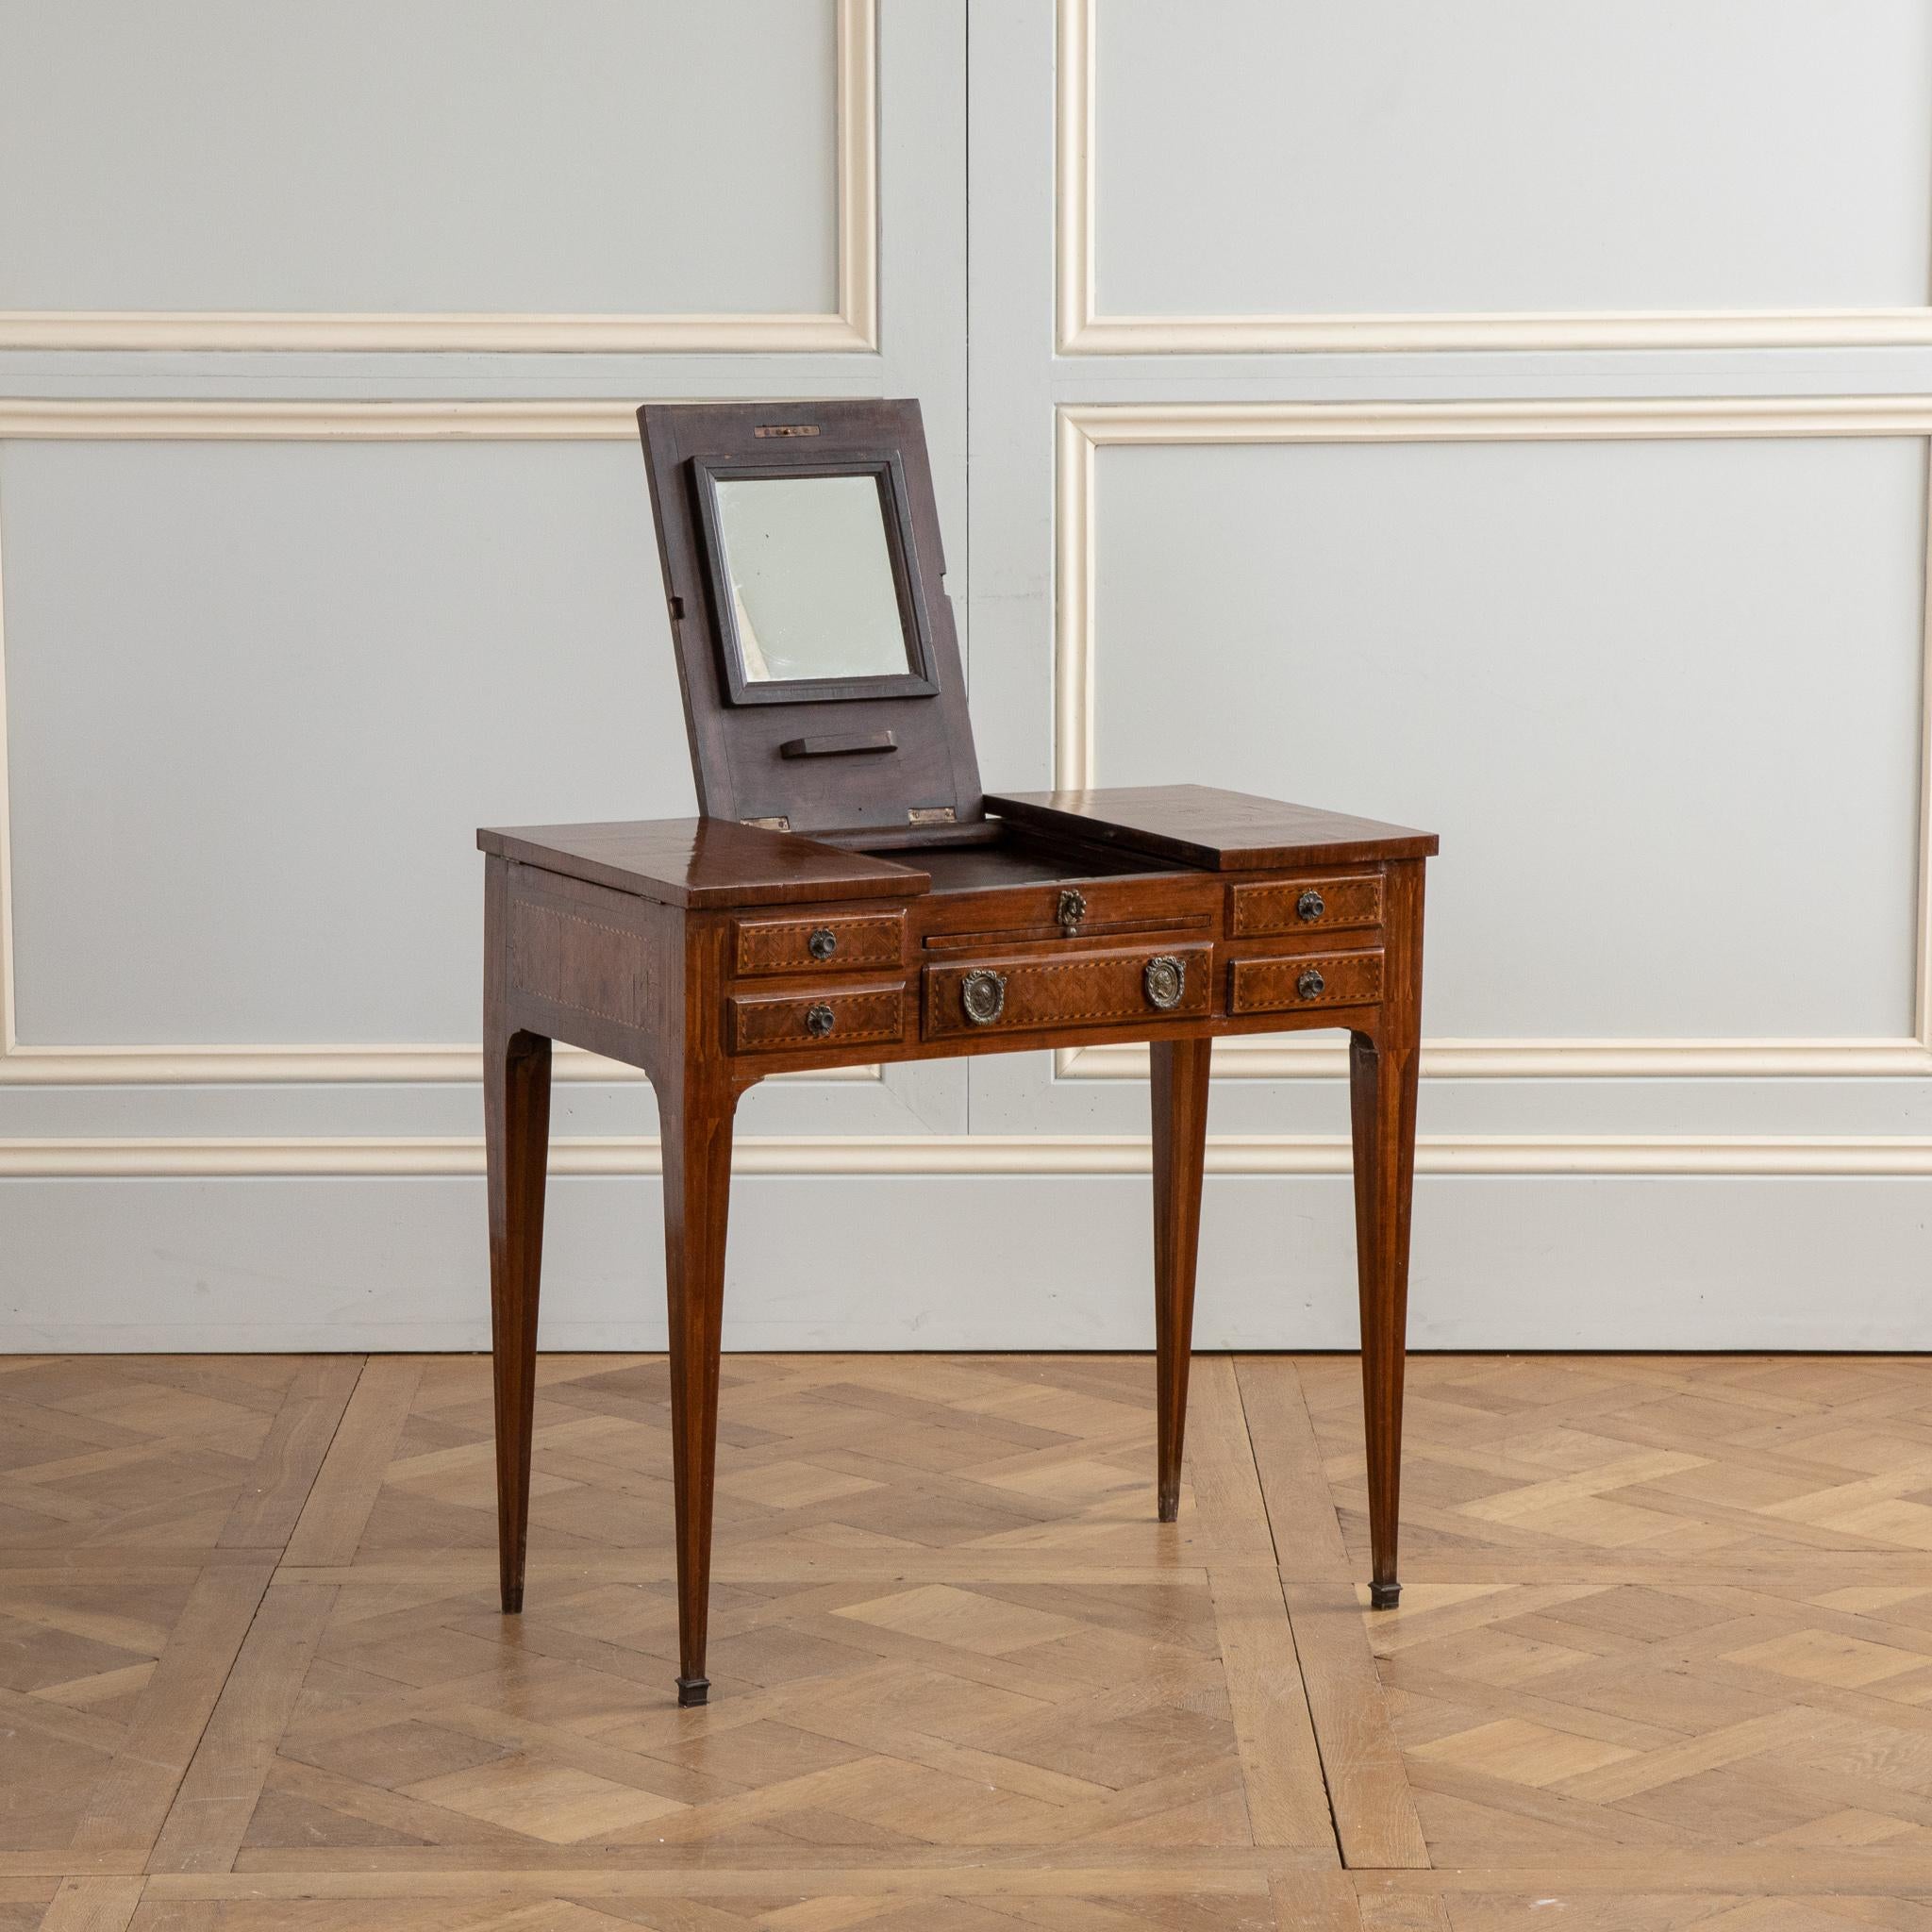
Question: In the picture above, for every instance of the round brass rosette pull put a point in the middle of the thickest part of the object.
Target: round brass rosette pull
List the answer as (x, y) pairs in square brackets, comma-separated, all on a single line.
[(818, 1020), (1311, 986), (983, 993), (823, 943), (1310, 905), (1165, 980)]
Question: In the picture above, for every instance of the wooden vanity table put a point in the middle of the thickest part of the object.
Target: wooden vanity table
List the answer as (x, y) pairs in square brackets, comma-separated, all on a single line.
[(850, 896)]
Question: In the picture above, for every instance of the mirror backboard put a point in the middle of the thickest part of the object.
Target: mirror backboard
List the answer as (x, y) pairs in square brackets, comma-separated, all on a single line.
[(806, 580)]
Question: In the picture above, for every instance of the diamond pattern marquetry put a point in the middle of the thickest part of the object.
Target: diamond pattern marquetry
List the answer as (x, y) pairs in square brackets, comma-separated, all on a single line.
[(1663, 1657)]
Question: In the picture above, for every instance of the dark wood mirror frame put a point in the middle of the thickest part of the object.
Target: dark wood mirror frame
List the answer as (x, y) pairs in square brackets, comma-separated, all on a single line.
[(889, 477), (871, 756)]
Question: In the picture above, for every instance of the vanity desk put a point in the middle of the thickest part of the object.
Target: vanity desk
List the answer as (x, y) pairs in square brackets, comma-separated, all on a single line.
[(850, 896)]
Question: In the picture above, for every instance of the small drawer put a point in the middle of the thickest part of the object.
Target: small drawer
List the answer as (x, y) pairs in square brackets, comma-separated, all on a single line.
[(840, 945), (795, 1022), (1307, 904), (1307, 979), (1015, 995)]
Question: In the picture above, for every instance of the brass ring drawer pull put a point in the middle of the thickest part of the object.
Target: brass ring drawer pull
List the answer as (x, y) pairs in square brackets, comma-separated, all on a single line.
[(1311, 985), (818, 1020), (1310, 905), (1165, 980), (984, 997), (823, 943)]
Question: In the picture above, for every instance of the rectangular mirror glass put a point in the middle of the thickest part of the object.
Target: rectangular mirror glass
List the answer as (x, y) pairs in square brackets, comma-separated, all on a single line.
[(813, 593)]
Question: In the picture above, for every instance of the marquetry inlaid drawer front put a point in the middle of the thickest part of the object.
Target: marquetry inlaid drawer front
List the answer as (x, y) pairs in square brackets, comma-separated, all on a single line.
[(1307, 904), (1305, 979), (1010, 995), (819, 945), (579, 960), (790, 1022)]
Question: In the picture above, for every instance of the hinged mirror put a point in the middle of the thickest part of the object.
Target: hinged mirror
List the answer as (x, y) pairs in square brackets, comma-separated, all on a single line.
[(814, 580)]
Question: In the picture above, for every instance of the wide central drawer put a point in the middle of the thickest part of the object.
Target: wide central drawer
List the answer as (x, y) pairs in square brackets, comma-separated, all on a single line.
[(1023, 991)]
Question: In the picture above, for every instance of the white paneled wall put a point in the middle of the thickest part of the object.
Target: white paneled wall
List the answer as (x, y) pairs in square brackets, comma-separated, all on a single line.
[(1512, 420), (1506, 154)]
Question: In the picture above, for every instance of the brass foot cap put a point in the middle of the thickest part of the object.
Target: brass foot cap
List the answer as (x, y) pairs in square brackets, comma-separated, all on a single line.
[(1384, 1596), (692, 1690)]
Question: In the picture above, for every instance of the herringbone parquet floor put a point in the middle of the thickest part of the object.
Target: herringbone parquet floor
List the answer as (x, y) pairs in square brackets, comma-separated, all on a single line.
[(1664, 1658)]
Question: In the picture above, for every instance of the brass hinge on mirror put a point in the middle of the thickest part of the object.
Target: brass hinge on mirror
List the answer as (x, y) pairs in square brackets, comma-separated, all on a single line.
[(930, 815), (773, 825)]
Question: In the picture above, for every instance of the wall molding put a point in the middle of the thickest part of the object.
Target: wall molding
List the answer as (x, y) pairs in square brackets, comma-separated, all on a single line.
[(1084, 331), (298, 1065), (164, 1064), (956, 1156), (855, 326), (195, 418), (1085, 429), (1290, 1057)]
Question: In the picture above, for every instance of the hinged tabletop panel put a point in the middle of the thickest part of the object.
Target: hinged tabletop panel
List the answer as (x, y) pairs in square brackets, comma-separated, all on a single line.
[(1202, 825), (703, 863)]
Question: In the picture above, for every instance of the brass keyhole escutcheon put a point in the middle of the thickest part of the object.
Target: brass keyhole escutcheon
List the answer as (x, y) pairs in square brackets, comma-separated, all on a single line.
[(823, 943), (818, 1020), (1164, 981), (1310, 905), (1071, 911), (983, 994), (1311, 986)]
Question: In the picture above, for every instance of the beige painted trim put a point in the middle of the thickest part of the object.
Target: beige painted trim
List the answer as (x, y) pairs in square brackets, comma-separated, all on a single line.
[(215, 1066), (858, 136), (7, 1032), (979, 1154), (192, 419), (1084, 331), (1083, 429), (854, 327), (1922, 1003), (163, 1064), (297, 1065), (1279, 1056), (1259, 334), (236, 328), (1075, 176)]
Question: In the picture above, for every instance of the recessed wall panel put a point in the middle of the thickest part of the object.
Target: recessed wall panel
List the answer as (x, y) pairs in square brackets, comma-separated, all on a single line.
[(636, 156), (1500, 155), (261, 695), (1659, 698)]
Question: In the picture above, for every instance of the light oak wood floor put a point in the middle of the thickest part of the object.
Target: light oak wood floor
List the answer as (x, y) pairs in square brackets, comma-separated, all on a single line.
[(1663, 1660)]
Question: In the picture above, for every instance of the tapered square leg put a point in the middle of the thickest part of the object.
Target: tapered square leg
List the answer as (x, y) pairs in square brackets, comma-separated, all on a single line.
[(516, 1130), (696, 1114), (1383, 1073), (1180, 1073)]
